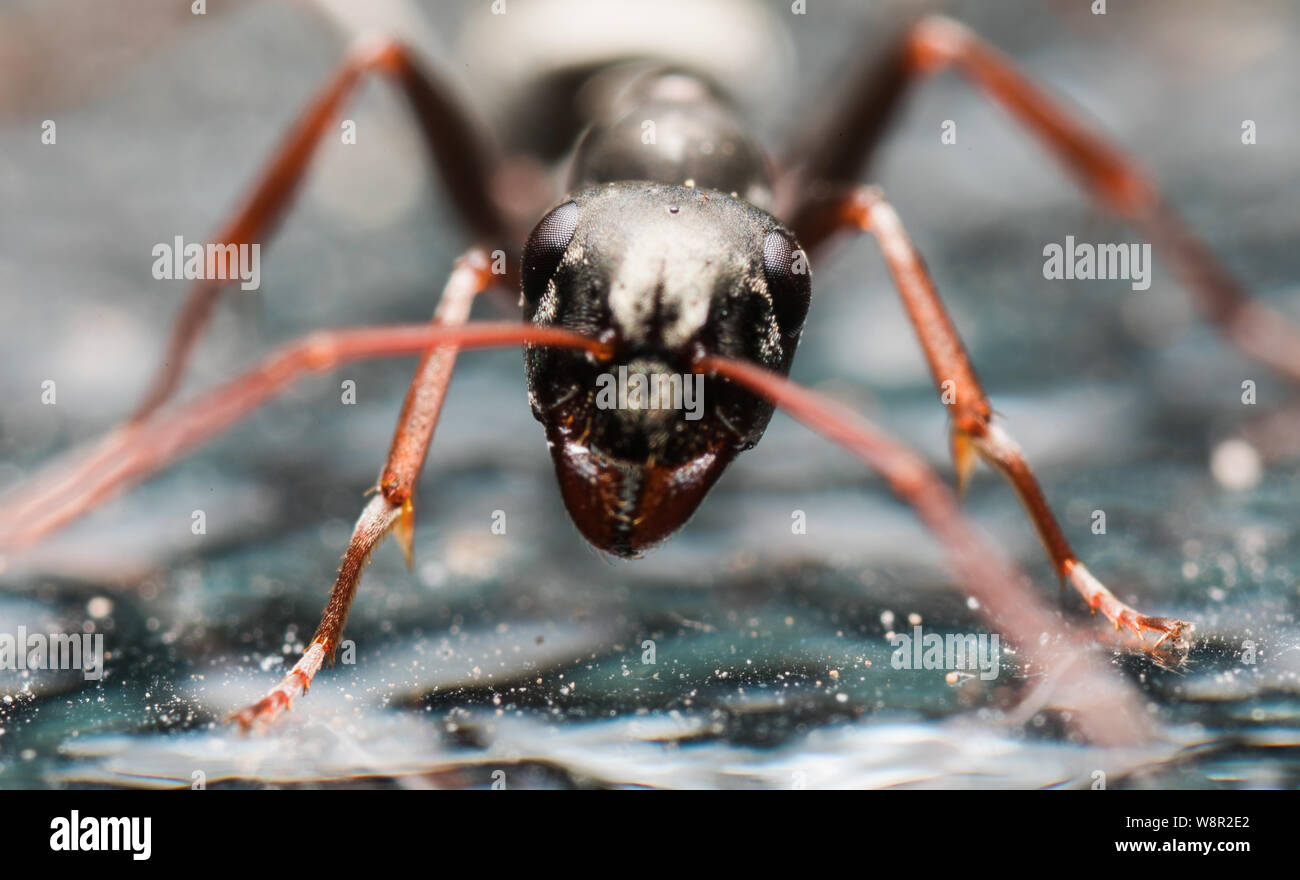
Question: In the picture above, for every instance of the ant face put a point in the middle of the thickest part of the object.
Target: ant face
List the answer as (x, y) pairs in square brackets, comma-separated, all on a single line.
[(665, 274)]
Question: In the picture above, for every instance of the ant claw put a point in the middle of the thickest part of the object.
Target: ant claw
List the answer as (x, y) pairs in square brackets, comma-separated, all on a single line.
[(1173, 646)]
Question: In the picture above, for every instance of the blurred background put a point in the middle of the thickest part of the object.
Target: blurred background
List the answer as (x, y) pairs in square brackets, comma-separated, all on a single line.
[(522, 653)]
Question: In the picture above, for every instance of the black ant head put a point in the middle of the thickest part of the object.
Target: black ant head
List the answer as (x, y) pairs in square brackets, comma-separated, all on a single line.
[(663, 274)]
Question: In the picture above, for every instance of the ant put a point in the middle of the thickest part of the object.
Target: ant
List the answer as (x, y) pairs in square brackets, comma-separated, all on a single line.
[(689, 259)]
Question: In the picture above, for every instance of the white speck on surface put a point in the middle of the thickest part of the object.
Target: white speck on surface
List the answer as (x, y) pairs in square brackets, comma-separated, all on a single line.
[(1236, 465)]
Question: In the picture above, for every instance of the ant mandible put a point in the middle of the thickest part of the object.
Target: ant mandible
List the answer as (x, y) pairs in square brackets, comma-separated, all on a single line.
[(670, 261)]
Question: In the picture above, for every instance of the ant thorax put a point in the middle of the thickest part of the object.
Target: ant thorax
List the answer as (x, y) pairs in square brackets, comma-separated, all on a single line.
[(669, 126)]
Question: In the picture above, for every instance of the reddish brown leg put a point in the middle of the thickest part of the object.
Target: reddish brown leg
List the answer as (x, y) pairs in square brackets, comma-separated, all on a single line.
[(1106, 710), (838, 150), (166, 435), (463, 156), (170, 433), (973, 429), (393, 507)]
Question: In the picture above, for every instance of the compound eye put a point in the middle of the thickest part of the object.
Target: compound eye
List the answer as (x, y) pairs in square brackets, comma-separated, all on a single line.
[(545, 248), (789, 280)]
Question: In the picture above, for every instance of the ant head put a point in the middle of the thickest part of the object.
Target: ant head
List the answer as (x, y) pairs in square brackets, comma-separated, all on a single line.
[(664, 274)]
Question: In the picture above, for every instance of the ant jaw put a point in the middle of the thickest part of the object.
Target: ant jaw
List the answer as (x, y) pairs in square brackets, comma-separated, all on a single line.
[(627, 507)]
